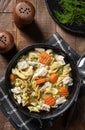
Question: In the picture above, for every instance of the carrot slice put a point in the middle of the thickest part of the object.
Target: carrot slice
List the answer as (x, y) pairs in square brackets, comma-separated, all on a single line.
[(49, 100), (40, 81), (53, 78), (28, 102), (12, 77), (44, 58), (64, 91)]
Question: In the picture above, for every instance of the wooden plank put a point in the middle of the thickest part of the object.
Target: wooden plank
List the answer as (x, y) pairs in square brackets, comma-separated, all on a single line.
[(7, 23), (7, 5), (44, 20)]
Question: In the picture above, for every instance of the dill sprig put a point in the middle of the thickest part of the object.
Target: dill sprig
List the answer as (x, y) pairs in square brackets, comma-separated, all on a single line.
[(73, 12)]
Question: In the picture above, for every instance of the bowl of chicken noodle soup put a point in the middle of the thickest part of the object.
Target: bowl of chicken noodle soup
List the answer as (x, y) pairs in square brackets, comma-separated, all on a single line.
[(42, 81)]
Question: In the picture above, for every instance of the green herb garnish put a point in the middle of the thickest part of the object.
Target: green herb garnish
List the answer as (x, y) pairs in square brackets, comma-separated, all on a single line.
[(73, 12)]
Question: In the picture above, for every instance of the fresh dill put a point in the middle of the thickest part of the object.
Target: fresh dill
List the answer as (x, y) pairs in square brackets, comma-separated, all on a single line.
[(73, 12)]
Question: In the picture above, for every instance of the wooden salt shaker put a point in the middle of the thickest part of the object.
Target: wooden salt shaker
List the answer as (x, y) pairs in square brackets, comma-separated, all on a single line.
[(6, 41), (24, 13)]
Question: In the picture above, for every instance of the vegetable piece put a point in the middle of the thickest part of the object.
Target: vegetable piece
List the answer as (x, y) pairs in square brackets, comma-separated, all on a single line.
[(12, 77), (40, 81), (73, 12), (53, 78), (64, 91), (49, 100), (44, 58), (28, 102)]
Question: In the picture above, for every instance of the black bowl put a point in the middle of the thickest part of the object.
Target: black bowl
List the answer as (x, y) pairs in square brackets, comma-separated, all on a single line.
[(73, 89), (74, 29)]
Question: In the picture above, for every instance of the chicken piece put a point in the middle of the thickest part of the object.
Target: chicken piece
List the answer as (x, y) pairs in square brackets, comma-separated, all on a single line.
[(46, 107), (49, 51), (40, 72), (47, 84), (60, 59), (39, 49), (16, 90), (60, 100), (18, 98), (22, 65), (68, 81)]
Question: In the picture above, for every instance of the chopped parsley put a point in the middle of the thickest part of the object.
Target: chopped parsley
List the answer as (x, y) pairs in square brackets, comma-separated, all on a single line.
[(73, 12)]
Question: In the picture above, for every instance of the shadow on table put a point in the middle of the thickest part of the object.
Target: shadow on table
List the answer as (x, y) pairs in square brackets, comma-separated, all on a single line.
[(10, 54), (34, 32)]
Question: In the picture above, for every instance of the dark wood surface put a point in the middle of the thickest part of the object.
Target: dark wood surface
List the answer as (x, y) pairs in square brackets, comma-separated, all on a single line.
[(42, 28)]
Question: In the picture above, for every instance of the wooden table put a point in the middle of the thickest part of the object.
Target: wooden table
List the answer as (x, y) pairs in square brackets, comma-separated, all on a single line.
[(44, 28)]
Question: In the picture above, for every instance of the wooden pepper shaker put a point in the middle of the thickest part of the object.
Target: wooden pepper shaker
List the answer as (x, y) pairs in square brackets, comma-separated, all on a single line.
[(24, 13), (6, 41)]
